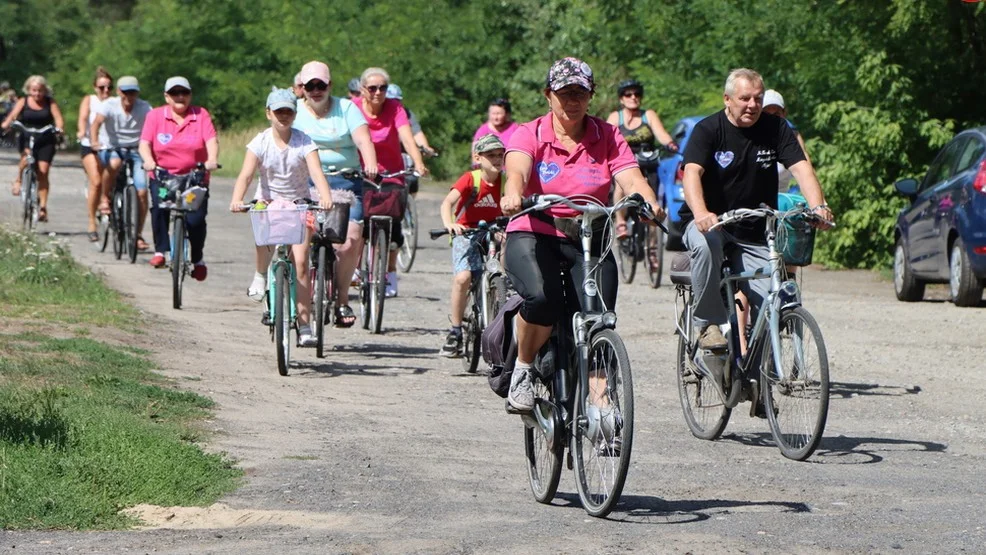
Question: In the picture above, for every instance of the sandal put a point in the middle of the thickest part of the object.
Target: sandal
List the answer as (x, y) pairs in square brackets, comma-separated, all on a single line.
[(93, 236), (104, 207), (621, 231), (142, 244), (43, 214), (345, 318)]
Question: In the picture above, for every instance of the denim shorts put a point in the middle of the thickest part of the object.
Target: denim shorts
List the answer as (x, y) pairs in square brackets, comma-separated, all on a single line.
[(463, 257), (355, 186), (140, 176)]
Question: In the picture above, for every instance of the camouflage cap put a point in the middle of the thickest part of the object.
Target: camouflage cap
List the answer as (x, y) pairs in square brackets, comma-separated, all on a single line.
[(487, 143), (570, 71)]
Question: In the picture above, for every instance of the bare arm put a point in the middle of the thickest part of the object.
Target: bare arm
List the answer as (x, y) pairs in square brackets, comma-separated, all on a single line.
[(363, 142), (147, 156), (801, 141), (804, 172), (321, 184), (613, 119), (518, 167), (56, 113), (212, 153), (14, 113), (83, 118), (657, 126), (448, 218), (250, 163), (695, 199), (411, 147), (94, 131), (633, 181)]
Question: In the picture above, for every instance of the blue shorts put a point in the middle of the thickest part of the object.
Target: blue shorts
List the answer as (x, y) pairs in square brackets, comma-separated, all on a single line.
[(355, 186), (465, 258), (140, 176)]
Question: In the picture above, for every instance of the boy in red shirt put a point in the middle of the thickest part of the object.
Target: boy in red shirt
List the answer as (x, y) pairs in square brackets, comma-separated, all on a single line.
[(473, 198)]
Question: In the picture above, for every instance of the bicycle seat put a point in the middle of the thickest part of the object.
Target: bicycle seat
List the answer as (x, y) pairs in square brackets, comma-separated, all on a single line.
[(681, 269)]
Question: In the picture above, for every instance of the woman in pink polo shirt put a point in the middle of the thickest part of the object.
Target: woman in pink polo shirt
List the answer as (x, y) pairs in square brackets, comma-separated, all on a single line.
[(389, 129), (175, 138), (565, 152)]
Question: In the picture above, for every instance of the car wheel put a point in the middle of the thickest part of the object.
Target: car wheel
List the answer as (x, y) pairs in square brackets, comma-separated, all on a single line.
[(907, 287), (965, 288)]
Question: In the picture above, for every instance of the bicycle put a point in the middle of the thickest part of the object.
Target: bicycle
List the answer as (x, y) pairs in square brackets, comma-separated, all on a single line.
[(488, 290), (584, 345), (409, 227), (180, 194), (643, 242), (776, 369), (124, 211), (330, 228), (29, 177)]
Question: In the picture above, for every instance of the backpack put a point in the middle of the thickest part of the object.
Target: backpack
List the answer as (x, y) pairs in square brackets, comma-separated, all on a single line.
[(477, 183), (498, 345)]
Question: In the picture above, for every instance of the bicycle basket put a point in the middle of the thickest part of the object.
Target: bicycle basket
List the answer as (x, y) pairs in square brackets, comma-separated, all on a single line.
[(388, 201), (796, 240), (192, 198), (333, 224), (279, 226)]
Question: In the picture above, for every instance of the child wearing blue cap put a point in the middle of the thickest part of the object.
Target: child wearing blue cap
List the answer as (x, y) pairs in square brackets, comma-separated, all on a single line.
[(285, 159)]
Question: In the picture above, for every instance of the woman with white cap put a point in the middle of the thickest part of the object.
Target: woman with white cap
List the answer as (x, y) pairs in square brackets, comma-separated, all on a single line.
[(176, 137)]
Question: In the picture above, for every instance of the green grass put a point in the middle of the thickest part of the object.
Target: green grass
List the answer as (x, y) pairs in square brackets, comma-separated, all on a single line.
[(87, 428), (232, 147)]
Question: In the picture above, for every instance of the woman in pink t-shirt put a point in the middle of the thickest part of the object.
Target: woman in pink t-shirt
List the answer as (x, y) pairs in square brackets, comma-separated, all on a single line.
[(175, 138), (498, 122), (565, 152), (389, 129)]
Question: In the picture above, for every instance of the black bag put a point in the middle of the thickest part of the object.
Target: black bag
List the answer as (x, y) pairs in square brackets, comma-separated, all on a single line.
[(498, 346)]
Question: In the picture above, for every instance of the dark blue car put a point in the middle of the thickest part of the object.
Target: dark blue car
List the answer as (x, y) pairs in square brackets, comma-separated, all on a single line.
[(671, 193), (941, 236)]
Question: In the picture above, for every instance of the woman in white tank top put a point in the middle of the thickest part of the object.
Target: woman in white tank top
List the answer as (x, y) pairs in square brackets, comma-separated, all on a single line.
[(103, 86)]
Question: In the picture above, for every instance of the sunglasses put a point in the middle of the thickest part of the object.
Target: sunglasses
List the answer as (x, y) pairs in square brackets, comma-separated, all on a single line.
[(374, 89), (104, 87), (316, 86), (179, 92), (628, 94), (578, 95)]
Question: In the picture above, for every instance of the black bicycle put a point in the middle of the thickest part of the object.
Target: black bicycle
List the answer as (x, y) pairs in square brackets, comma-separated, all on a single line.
[(180, 194), (29, 177), (330, 229), (643, 243), (488, 291), (124, 211)]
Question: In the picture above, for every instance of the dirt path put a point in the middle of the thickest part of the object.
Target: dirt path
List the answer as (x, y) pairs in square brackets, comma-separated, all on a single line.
[(383, 447)]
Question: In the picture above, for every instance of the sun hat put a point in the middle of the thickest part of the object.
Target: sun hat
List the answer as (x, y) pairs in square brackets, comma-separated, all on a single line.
[(393, 91), (281, 98), (127, 83), (176, 81), (315, 70), (487, 143), (570, 71), (773, 98)]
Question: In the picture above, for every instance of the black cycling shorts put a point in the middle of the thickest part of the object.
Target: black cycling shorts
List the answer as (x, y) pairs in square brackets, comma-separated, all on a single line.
[(44, 147), (534, 263)]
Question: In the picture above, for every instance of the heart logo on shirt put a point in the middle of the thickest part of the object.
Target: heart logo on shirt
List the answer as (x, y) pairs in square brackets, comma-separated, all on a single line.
[(724, 158), (164, 138), (547, 172)]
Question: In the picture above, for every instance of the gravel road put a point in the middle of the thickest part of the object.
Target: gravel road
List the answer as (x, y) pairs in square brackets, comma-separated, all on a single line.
[(383, 447)]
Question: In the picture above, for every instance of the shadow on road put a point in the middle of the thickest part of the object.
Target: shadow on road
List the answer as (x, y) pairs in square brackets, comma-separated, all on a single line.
[(846, 390), (386, 350), (336, 369), (647, 509), (867, 450)]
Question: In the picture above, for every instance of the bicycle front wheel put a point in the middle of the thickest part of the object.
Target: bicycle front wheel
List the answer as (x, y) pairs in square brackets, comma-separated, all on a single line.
[(282, 321), (544, 453), (119, 211), (131, 215), (471, 348), (603, 433), (365, 283), (409, 229), (28, 194), (319, 300), (378, 290), (177, 261), (705, 413), (626, 253), (796, 396)]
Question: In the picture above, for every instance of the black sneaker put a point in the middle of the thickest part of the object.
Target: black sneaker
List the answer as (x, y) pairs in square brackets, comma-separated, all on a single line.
[(452, 347)]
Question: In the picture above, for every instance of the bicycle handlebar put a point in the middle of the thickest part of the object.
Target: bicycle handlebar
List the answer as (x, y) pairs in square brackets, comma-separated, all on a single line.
[(498, 225), (308, 203), (543, 202), (764, 211), (35, 130)]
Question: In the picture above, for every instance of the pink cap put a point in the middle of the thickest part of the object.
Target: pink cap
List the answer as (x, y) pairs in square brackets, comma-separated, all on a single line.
[(315, 70)]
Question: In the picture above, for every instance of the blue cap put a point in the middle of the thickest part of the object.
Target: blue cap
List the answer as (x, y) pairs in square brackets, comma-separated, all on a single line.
[(393, 91), (281, 98)]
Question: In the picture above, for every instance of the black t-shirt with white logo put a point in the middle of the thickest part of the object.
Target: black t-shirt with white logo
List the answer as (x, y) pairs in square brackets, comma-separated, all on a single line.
[(740, 166)]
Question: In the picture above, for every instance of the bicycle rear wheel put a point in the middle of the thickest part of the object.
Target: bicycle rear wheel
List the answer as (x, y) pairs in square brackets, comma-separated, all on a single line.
[(282, 321), (471, 348), (319, 299), (603, 436), (705, 413), (626, 253), (131, 215), (797, 398), (544, 453), (177, 261), (379, 283), (365, 283), (496, 297), (409, 229), (654, 254)]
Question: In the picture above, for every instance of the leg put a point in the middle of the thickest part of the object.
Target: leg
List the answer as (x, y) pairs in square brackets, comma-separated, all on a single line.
[(160, 218), (347, 258), (197, 232), (750, 257), (706, 251), (742, 319), (527, 254), (90, 163), (44, 169), (460, 291), (303, 300), (15, 187), (111, 167), (140, 183)]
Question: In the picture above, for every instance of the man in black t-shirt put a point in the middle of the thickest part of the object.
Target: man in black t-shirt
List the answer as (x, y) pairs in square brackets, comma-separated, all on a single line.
[(731, 162)]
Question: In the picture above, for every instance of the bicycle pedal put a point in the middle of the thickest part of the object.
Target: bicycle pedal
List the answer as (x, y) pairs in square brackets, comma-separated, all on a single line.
[(265, 319)]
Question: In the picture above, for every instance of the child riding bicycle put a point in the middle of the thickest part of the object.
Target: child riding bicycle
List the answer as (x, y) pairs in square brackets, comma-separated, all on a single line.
[(475, 197), (285, 158)]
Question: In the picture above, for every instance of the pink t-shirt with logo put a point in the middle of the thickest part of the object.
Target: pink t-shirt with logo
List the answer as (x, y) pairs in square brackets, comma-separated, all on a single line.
[(177, 148), (588, 170), (504, 135), (383, 132)]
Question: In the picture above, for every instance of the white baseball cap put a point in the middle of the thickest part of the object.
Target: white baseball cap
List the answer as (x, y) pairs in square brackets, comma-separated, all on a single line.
[(176, 81), (773, 98)]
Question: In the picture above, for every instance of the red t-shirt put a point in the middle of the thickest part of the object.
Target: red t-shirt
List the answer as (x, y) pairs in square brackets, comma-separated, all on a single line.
[(383, 132), (486, 205)]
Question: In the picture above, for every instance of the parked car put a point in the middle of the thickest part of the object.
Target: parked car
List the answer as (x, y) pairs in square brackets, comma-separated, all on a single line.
[(941, 236), (670, 192)]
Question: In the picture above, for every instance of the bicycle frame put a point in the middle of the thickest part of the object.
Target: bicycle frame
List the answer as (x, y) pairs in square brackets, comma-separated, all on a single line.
[(281, 261)]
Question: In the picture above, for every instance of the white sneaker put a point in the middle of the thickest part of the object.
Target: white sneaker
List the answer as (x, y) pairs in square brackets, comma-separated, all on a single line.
[(521, 393), (305, 337), (257, 288), (391, 284)]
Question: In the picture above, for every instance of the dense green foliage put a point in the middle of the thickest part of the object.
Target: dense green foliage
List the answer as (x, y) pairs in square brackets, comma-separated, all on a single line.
[(875, 86)]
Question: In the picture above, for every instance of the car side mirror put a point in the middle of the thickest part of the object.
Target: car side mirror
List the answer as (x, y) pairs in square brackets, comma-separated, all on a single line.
[(907, 187), (679, 132)]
